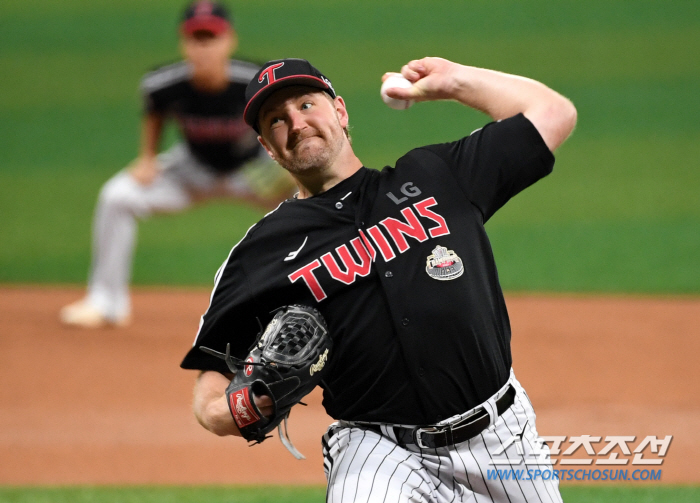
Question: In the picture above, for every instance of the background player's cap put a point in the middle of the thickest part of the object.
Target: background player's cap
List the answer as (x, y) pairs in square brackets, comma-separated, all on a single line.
[(205, 16), (277, 74)]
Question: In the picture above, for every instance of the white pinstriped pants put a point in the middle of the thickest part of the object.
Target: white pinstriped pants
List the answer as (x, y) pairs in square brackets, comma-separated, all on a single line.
[(363, 466)]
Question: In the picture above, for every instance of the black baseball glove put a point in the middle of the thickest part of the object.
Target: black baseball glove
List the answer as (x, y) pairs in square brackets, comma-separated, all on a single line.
[(286, 363)]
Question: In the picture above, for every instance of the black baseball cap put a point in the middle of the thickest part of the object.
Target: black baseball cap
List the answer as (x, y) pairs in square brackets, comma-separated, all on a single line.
[(275, 75), (205, 16)]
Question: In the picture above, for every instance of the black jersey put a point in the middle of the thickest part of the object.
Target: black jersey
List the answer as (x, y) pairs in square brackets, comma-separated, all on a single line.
[(399, 264), (211, 123)]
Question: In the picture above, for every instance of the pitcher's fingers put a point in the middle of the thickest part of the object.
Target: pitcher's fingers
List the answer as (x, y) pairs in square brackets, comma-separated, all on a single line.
[(389, 74), (414, 70), (409, 73)]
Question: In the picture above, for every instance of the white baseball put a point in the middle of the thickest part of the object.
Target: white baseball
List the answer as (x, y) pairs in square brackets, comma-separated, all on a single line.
[(395, 81)]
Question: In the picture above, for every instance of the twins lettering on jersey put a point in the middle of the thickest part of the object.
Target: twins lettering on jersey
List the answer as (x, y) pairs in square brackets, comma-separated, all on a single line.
[(374, 242)]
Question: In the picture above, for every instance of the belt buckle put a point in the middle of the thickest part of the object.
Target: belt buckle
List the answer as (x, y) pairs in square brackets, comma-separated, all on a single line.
[(418, 433)]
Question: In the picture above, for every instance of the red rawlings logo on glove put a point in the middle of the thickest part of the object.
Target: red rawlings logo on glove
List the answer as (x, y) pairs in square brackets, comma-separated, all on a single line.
[(242, 408), (248, 369)]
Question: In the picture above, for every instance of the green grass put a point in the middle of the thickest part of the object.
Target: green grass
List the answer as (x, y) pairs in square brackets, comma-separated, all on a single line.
[(279, 494), (620, 213), (630, 494)]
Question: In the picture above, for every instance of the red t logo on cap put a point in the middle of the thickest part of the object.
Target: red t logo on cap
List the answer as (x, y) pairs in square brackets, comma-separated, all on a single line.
[(269, 72)]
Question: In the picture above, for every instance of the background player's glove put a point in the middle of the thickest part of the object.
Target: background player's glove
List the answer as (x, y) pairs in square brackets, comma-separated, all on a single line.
[(286, 363)]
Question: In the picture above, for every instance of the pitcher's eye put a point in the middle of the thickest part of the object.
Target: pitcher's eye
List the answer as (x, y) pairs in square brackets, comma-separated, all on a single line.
[(306, 106)]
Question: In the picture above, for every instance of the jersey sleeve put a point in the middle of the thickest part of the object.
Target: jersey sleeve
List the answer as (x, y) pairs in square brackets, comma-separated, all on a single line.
[(226, 321), (155, 101), (498, 161), (152, 105), (159, 87)]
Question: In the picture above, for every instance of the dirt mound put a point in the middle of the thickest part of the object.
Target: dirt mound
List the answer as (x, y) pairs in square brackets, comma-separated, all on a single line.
[(113, 406)]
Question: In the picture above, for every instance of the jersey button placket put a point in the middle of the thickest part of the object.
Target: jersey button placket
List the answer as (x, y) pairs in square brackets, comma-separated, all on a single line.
[(388, 274)]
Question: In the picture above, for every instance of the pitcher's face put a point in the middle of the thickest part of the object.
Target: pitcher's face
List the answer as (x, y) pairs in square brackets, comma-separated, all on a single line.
[(302, 128)]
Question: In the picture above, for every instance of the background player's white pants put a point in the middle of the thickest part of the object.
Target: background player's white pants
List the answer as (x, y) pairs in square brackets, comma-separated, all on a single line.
[(363, 466), (122, 200)]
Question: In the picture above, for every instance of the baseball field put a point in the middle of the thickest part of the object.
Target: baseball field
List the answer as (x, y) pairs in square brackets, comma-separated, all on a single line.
[(599, 261)]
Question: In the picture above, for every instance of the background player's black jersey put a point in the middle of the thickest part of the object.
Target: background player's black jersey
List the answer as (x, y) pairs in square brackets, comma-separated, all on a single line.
[(211, 123), (356, 249)]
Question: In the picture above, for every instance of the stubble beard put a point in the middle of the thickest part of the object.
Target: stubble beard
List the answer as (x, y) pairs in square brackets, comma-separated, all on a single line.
[(315, 158)]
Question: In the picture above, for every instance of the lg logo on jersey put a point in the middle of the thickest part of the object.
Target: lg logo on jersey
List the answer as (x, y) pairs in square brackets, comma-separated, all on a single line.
[(408, 190), (368, 246)]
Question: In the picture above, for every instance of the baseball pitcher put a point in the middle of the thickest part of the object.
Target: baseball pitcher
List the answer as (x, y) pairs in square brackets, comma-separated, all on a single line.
[(397, 264)]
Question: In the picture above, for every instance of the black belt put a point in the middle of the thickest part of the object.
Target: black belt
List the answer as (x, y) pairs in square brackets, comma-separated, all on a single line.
[(431, 437)]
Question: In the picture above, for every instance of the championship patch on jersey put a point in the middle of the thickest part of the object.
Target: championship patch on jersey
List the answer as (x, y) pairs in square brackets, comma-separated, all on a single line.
[(242, 409), (444, 264)]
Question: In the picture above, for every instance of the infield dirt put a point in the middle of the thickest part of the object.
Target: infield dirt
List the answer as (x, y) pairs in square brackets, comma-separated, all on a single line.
[(112, 406)]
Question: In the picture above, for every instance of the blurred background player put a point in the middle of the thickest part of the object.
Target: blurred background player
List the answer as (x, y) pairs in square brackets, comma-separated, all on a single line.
[(219, 157)]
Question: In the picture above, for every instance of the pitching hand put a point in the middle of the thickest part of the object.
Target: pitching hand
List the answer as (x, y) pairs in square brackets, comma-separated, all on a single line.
[(432, 78), (264, 404)]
